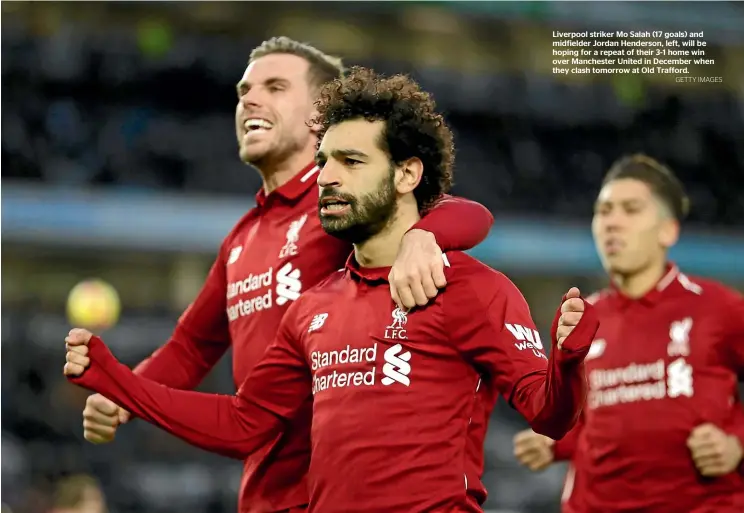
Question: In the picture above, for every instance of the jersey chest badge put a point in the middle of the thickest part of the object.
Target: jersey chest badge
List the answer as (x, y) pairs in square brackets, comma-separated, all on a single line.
[(679, 335), (293, 237)]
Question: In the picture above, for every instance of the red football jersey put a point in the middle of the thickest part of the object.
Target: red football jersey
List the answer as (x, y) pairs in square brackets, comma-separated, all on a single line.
[(276, 252), (659, 367), (400, 400)]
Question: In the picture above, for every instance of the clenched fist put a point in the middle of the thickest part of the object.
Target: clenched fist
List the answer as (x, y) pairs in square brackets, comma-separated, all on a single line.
[(532, 450), (77, 359), (101, 417), (572, 310), (715, 452)]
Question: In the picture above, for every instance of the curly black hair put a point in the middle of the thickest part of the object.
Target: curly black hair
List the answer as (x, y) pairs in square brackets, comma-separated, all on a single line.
[(413, 127)]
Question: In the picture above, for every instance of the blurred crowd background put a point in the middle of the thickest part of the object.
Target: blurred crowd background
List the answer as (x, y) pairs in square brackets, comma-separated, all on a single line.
[(119, 161)]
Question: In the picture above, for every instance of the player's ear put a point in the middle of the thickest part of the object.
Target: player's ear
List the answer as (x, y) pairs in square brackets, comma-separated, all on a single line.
[(313, 122), (408, 175), (668, 232)]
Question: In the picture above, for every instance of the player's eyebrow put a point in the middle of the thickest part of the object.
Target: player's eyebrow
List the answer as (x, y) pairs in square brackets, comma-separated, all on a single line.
[(338, 154), (632, 202), (243, 86)]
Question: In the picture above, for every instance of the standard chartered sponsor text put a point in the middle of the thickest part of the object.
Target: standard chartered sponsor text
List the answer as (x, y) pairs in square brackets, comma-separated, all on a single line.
[(627, 394), (633, 373), (335, 379), (252, 283), (636, 382), (249, 284)]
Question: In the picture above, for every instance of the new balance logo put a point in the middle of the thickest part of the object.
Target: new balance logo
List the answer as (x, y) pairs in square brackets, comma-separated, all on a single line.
[(527, 339), (396, 368), (317, 322), (596, 349), (288, 284), (234, 255)]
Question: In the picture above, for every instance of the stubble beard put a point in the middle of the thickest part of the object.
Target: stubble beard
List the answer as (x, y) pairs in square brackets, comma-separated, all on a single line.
[(367, 216), (279, 148)]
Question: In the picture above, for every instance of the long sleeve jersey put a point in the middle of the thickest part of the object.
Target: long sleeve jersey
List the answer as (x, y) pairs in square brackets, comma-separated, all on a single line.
[(400, 400), (661, 365), (275, 253)]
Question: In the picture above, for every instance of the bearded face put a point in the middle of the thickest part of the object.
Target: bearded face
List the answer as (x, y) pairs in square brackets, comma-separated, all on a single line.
[(357, 217)]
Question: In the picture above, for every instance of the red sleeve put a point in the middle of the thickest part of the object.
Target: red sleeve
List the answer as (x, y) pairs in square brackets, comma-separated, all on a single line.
[(733, 348), (457, 224), (201, 337), (733, 336), (500, 337), (565, 448), (233, 426)]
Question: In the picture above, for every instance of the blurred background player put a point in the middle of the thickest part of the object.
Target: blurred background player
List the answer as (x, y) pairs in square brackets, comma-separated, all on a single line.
[(119, 162), (663, 428), (276, 252), (78, 493)]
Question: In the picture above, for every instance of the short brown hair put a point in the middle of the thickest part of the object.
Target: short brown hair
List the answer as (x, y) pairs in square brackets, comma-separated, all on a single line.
[(413, 127), (659, 178), (70, 490), (323, 67)]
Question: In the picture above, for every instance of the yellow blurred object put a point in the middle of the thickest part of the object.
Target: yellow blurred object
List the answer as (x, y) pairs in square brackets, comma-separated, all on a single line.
[(93, 304)]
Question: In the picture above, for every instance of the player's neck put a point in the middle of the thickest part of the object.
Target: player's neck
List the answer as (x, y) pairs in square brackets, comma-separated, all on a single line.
[(639, 284), (381, 250), (275, 175)]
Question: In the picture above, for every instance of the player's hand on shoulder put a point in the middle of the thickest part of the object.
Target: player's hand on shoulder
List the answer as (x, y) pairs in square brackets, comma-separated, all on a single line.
[(715, 452), (533, 450), (101, 418), (572, 309), (76, 344), (418, 271)]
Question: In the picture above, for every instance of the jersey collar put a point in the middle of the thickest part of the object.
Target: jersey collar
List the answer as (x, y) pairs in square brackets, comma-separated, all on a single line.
[(655, 294), (369, 274), (293, 189)]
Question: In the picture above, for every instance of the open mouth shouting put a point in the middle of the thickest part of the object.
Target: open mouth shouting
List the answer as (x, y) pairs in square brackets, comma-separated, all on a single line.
[(257, 126)]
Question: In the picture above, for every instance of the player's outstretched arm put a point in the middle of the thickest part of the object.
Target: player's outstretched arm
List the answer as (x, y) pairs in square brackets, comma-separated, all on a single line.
[(200, 339), (552, 402), (495, 330), (233, 426)]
